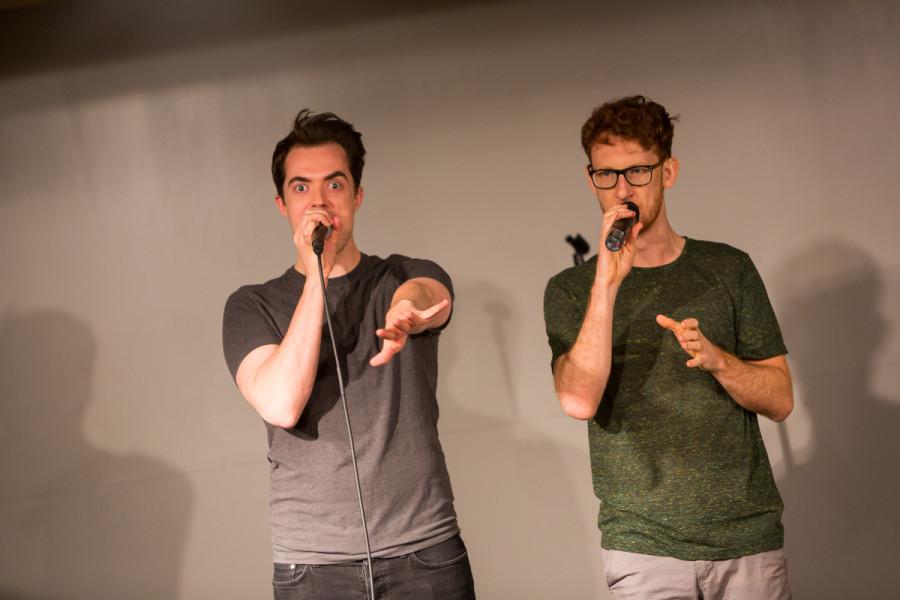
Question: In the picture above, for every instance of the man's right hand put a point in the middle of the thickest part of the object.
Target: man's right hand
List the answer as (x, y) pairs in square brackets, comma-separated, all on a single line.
[(612, 267), (312, 218)]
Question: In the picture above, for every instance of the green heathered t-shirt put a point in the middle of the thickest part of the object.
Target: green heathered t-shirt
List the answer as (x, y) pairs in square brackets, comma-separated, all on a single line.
[(679, 467)]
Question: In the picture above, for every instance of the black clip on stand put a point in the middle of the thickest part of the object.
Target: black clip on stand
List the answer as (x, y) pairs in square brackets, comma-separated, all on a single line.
[(580, 246)]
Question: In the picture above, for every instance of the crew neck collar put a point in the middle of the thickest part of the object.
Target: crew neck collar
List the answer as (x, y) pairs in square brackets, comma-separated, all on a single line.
[(669, 265), (334, 280)]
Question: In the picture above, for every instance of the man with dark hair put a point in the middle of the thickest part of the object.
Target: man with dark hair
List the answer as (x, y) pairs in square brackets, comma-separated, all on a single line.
[(688, 504), (387, 315)]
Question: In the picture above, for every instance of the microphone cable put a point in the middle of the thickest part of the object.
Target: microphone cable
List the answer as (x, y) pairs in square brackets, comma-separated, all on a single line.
[(337, 363)]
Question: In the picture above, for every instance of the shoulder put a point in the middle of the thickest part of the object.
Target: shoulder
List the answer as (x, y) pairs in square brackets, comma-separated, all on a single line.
[(387, 274), (407, 267), (718, 256), (263, 293), (728, 265), (401, 261), (715, 250), (573, 278)]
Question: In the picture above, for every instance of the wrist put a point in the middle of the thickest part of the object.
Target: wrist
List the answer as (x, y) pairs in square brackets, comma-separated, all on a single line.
[(312, 285), (401, 301), (722, 360)]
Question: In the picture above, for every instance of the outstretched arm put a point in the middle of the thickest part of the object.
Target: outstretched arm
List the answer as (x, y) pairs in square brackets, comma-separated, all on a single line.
[(418, 304), (760, 386)]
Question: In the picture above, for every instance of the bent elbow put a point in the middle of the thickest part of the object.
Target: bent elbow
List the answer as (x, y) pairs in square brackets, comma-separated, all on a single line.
[(279, 410), (577, 407), (283, 414), (783, 411), (284, 419), (779, 416)]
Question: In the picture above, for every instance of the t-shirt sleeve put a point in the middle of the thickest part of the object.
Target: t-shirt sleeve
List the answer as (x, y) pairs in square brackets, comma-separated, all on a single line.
[(246, 325), (410, 268), (758, 334), (562, 318)]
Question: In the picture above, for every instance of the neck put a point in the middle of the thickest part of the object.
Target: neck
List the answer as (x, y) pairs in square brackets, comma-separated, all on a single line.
[(659, 244)]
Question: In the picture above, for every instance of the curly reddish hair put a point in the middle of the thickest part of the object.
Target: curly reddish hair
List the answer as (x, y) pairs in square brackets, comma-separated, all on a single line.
[(633, 118)]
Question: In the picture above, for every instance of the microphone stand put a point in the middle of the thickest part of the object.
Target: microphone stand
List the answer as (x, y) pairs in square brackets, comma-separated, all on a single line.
[(317, 249)]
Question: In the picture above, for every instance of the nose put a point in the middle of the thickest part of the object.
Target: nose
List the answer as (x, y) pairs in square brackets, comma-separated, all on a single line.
[(319, 196), (623, 188)]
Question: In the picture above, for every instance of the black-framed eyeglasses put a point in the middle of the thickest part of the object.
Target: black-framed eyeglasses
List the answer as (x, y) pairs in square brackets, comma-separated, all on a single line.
[(606, 179)]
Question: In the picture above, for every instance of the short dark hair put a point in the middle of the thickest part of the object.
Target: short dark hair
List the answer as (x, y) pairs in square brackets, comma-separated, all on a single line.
[(311, 129), (633, 118)]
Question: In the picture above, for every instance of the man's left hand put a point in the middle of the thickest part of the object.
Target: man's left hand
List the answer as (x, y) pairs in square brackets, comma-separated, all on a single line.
[(704, 354), (402, 320)]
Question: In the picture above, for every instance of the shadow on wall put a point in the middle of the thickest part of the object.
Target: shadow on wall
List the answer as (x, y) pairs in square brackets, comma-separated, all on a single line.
[(77, 522), (519, 509), (843, 504)]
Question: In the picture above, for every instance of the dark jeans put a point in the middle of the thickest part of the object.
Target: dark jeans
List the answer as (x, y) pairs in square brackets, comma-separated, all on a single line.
[(440, 572)]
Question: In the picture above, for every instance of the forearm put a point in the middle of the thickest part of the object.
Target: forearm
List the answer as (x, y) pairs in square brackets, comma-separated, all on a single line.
[(281, 384), (423, 293), (581, 374), (763, 387)]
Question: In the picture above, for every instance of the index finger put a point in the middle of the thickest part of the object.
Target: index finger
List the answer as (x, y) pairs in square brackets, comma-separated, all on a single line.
[(619, 211), (314, 218), (390, 333), (667, 323)]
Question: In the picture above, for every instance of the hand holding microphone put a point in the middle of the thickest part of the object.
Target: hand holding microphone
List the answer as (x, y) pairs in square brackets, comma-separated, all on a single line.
[(311, 239), (617, 256), (615, 239)]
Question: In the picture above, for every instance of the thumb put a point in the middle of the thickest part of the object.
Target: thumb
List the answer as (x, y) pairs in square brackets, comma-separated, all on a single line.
[(430, 312), (635, 231)]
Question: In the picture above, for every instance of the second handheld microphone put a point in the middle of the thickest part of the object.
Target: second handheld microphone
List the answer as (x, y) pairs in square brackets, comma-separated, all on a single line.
[(615, 239)]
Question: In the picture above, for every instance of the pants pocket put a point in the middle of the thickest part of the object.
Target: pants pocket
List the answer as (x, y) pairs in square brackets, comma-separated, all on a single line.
[(441, 555), (285, 575)]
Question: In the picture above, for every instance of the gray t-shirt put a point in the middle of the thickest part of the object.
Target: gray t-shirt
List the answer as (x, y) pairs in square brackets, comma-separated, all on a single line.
[(393, 411)]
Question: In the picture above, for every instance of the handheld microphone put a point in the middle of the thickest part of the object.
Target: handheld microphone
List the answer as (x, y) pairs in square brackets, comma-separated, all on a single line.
[(319, 235), (621, 228)]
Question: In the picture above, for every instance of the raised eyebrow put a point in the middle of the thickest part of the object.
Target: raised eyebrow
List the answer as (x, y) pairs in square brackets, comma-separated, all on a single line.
[(330, 176)]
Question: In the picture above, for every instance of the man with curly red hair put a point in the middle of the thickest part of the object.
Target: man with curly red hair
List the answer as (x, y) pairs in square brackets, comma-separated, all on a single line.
[(669, 348)]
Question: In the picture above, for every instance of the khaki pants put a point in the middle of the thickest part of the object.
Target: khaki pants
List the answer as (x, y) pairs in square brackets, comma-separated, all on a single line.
[(633, 576)]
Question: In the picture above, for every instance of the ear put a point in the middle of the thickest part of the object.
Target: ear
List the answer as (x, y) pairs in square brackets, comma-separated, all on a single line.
[(670, 172), (587, 175), (282, 207), (358, 199)]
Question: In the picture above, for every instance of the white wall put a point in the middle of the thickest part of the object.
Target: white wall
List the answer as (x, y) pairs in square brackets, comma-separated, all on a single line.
[(135, 195)]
